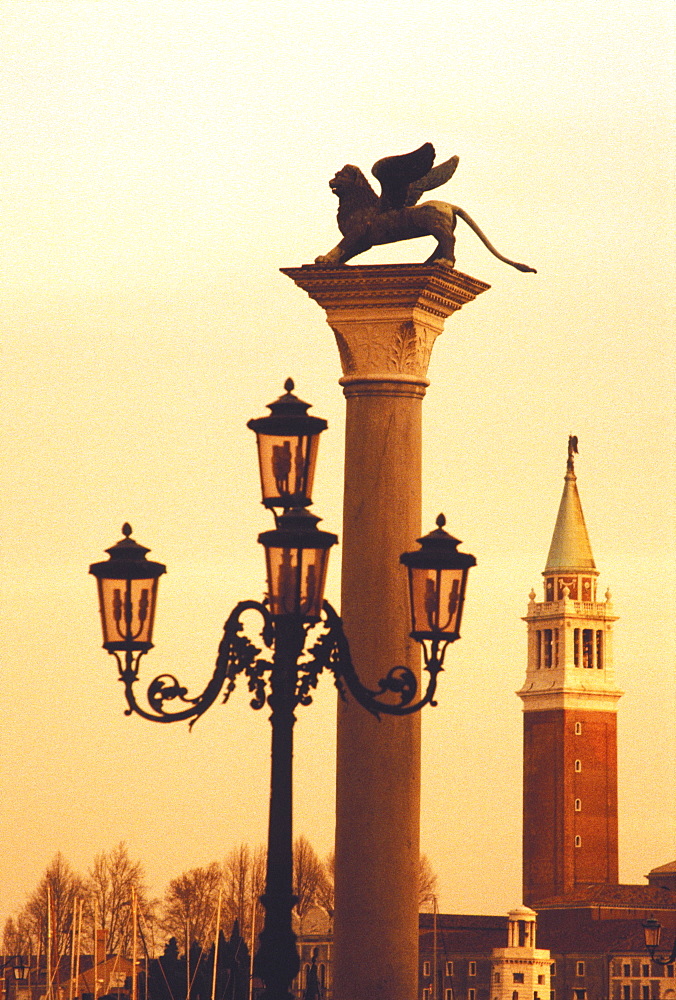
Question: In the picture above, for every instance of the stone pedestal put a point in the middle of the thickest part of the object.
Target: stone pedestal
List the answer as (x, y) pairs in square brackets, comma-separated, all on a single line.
[(385, 319)]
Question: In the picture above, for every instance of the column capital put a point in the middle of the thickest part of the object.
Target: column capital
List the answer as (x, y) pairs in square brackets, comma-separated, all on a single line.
[(386, 317)]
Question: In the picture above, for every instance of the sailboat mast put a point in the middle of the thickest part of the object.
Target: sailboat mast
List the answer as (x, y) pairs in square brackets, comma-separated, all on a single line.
[(434, 957), (95, 987), (134, 944), (79, 941), (73, 931), (187, 958), (218, 934), (49, 944)]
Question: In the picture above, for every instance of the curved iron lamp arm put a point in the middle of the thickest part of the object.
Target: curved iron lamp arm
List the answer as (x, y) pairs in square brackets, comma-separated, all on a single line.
[(400, 681), (654, 957), (237, 654)]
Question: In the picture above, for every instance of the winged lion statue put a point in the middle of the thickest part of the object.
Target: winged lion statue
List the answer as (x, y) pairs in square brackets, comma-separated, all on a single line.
[(366, 220)]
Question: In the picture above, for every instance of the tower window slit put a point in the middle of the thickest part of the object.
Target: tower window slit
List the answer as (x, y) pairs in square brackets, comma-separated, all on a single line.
[(538, 649), (576, 647), (548, 647), (599, 650), (587, 648)]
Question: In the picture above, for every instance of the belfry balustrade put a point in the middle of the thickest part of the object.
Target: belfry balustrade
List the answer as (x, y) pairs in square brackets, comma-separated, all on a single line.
[(301, 635)]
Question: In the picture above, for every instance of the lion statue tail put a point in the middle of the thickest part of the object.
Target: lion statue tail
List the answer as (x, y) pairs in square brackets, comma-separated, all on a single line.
[(466, 217)]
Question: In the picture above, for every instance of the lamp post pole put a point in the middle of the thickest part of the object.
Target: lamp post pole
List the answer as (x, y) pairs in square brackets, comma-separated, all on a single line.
[(277, 958), (297, 557)]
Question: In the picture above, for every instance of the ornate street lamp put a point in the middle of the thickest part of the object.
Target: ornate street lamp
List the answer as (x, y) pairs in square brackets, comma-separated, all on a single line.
[(281, 671), (652, 930), (19, 968)]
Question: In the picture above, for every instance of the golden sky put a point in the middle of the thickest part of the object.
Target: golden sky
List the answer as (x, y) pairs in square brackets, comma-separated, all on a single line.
[(161, 160)]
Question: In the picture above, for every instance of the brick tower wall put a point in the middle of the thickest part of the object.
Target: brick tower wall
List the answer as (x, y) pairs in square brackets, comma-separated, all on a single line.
[(570, 791)]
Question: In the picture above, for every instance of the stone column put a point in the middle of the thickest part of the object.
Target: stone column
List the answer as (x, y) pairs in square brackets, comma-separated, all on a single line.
[(385, 319)]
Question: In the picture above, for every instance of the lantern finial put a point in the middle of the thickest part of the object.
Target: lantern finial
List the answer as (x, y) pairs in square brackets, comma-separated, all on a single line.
[(441, 521), (126, 529), (289, 385)]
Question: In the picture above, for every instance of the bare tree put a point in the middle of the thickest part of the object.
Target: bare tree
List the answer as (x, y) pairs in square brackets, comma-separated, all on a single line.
[(427, 884), (326, 893), (111, 881), (190, 904), (16, 936), (309, 876), (61, 887), (244, 884)]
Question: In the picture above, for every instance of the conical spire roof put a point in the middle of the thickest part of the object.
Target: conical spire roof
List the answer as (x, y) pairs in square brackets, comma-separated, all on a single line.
[(570, 549)]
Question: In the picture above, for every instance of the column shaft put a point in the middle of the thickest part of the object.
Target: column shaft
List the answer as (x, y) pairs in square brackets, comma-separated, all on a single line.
[(378, 765), (385, 320)]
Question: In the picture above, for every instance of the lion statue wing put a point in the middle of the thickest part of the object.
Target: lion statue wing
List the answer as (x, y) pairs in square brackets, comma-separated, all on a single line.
[(397, 173), (433, 178), (404, 178)]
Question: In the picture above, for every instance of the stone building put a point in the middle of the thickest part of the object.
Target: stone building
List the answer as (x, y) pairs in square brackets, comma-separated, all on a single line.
[(520, 971)]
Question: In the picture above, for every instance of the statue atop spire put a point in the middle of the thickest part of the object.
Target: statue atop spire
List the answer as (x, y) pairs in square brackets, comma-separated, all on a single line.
[(572, 450), (570, 549)]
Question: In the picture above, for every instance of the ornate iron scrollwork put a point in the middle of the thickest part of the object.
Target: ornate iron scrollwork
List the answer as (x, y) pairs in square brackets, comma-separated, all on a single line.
[(237, 653)]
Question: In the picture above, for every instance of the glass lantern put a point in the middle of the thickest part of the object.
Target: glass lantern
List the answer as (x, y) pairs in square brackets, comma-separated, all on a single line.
[(652, 930), (288, 440), (297, 556), (437, 576), (127, 585)]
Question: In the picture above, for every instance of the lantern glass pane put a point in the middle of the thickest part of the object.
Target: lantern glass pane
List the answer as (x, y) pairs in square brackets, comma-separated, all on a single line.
[(127, 610), (287, 465), (652, 930), (296, 579), (436, 599)]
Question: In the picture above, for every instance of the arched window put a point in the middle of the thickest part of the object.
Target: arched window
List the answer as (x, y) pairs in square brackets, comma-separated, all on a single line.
[(578, 841), (578, 728), (578, 805), (578, 765)]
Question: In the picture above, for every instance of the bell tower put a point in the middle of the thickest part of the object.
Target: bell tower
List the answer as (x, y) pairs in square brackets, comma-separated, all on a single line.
[(570, 718)]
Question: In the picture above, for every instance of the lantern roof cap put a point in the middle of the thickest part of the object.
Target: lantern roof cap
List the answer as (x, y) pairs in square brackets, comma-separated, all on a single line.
[(297, 528), (438, 549), (570, 548), (288, 415), (127, 561)]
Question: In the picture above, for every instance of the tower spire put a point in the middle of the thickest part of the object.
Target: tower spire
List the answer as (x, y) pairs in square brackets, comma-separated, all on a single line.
[(570, 550), (570, 562)]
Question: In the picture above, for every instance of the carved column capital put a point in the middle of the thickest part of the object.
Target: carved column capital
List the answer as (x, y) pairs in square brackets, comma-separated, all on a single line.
[(386, 317)]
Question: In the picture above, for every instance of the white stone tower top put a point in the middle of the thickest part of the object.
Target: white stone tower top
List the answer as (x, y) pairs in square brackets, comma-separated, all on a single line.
[(520, 971), (570, 653), (521, 928)]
